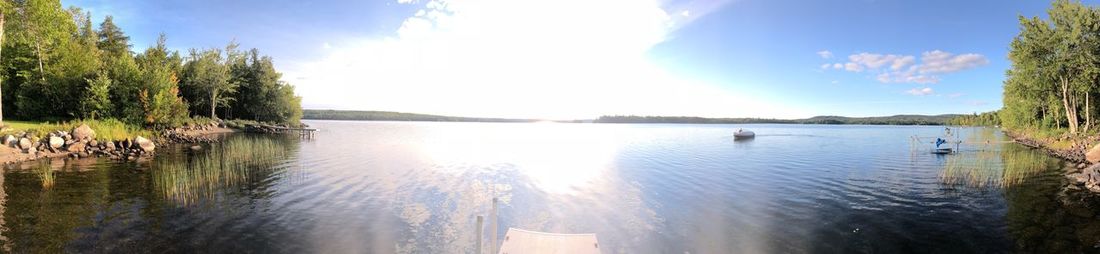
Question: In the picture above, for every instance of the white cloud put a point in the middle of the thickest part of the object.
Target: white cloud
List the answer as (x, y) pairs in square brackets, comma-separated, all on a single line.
[(942, 62), (685, 13), (504, 58), (838, 66), (825, 54), (326, 46), (905, 69), (920, 91), (826, 66), (853, 67), (406, 1)]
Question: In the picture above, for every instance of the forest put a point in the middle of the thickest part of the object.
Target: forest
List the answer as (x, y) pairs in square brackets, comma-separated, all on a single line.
[(1055, 71), (56, 64)]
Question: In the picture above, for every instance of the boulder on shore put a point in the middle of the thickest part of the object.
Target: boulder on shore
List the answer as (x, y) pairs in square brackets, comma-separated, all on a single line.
[(1093, 155), (10, 140), (145, 144), (25, 143), (83, 132), (76, 147), (56, 142)]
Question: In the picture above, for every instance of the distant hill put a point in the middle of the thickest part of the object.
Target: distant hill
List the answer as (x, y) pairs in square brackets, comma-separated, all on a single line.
[(329, 114), (398, 116), (879, 120)]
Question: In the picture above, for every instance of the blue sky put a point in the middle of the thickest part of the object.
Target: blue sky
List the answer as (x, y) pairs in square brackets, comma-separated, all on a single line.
[(567, 59)]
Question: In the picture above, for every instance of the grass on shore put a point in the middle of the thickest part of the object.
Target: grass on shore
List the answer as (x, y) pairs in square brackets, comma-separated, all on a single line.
[(108, 129)]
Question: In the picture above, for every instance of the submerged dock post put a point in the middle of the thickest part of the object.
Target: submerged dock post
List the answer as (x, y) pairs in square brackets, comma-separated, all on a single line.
[(493, 240), (480, 222)]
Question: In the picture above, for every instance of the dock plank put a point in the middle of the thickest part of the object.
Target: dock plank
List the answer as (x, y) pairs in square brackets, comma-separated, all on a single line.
[(519, 241)]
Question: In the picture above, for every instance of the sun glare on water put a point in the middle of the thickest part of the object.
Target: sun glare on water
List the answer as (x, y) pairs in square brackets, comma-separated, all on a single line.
[(557, 158)]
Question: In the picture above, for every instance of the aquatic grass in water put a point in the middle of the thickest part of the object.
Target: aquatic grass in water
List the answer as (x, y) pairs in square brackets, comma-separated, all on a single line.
[(237, 160), (46, 174), (1005, 167), (982, 162)]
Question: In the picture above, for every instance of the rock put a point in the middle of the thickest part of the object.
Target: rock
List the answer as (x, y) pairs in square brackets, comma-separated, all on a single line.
[(56, 142), (1093, 155), (145, 144), (1078, 177), (109, 146), (76, 147), (10, 140), (1081, 165), (25, 143), (93, 143), (32, 150), (196, 148), (83, 132)]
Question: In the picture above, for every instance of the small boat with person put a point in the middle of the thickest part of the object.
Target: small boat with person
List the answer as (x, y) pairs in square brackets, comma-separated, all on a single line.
[(743, 134)]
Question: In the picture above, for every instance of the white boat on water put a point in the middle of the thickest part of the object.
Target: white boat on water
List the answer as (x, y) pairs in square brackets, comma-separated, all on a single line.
[(743, 134)]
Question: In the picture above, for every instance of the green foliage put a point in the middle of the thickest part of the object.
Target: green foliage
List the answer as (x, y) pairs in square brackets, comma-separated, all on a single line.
[(96, 101), (1055, 69), (206, 78), (106, 129), (57, 65), (991, 118), (111, 39), (261, 96)]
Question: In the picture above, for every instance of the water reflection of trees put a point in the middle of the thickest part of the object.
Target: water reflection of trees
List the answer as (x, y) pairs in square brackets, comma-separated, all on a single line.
[(1045, 214), (92, 200)]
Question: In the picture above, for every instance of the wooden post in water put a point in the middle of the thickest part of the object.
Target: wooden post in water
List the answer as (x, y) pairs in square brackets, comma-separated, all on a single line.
[(493, 241), (480, 220)]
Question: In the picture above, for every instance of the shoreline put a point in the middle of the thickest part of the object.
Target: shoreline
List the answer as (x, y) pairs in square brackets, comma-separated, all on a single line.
[(1080, 170), (15, 150)]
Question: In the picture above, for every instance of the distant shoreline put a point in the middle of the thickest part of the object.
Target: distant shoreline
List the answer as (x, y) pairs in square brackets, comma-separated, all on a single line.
[(353, 115)]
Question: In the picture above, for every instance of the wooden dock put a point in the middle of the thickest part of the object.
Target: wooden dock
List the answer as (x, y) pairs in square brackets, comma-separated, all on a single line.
[(271, 129), (519, 241)]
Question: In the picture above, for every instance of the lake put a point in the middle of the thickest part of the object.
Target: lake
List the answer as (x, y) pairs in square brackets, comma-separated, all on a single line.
[(417, 187)]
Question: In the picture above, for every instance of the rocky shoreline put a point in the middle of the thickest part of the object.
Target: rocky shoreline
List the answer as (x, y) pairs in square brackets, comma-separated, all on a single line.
[(1084, 170), (81, 142)]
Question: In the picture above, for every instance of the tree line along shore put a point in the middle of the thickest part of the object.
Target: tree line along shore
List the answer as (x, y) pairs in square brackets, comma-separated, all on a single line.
[(59, 70), (1051, 89)]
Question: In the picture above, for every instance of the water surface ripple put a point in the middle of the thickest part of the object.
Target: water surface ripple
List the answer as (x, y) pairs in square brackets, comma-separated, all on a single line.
[(409, 187)]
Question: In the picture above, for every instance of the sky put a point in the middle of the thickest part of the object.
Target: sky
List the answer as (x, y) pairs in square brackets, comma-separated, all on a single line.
[(579, 59)]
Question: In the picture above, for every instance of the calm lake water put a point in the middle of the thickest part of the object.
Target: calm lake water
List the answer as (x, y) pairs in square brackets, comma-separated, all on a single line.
[(383, 187)]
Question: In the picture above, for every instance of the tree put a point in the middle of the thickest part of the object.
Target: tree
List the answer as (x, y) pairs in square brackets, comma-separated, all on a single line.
[(1053, 61), (158, 95), (97, 102), (111, 39), (261, 96), (206, 78), (1, 78)]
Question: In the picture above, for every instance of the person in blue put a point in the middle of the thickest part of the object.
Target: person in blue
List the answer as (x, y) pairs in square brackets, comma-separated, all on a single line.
[(940, 141)]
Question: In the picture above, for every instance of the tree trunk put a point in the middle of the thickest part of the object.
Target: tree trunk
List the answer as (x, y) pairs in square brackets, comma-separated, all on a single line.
[(213, 102), (1070, 115), (1088, 115), (1, 48), (38, 51)]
